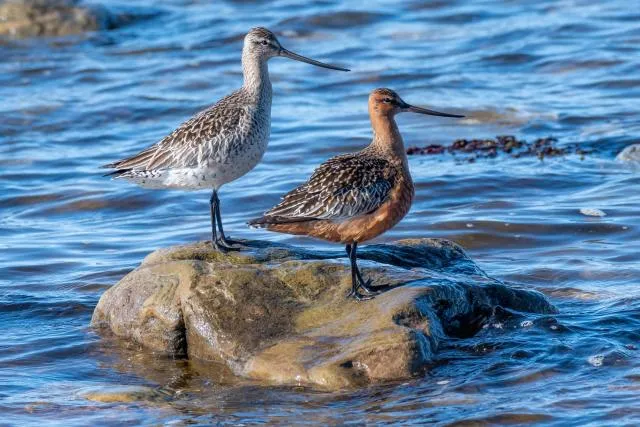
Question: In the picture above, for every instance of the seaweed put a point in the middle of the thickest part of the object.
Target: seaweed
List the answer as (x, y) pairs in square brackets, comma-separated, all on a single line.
[(473, 149)]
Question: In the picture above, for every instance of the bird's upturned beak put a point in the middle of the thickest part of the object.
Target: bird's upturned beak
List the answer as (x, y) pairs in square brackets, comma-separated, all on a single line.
[(288, 54), (421, 110)]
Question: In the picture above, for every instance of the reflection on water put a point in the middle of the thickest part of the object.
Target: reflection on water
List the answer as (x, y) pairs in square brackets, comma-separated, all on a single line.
[(566, 69)]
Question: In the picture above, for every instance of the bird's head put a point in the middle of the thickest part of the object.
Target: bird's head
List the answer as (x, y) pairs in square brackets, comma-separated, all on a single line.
[(386, 102), (263, 44)]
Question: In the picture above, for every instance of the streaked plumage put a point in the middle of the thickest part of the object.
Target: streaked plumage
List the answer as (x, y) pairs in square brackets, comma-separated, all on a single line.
[(343, 187), (221, 143), (216, 146), (353, 198)]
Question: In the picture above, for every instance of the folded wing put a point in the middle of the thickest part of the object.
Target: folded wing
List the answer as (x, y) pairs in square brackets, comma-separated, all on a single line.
[(202, 136), (343, 187)]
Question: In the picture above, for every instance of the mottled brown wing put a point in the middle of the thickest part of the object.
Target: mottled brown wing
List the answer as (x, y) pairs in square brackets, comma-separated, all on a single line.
[(202, 136), (342, 187)]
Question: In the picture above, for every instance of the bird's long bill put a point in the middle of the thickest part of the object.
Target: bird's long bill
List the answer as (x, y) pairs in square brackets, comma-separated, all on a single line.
[(288, 54), (430, 112)]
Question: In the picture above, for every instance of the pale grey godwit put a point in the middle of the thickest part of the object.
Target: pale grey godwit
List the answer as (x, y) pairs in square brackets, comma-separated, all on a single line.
[(354, 197), (221, 143)]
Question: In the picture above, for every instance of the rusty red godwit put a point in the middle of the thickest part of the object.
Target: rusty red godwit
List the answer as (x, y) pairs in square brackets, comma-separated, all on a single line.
[(353, 198)]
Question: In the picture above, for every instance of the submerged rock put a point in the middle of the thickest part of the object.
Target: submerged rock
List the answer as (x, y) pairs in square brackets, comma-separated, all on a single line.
[(123, 393), (279, 314)]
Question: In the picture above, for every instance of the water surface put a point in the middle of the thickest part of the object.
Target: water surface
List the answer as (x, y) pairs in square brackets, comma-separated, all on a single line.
[(569, 69)]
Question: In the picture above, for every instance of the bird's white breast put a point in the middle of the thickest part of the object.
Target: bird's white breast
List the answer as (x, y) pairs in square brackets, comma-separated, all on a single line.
[(237, 153)]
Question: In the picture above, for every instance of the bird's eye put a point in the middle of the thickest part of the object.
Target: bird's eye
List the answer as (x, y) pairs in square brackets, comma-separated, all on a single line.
[(387, 100), (264, 42)]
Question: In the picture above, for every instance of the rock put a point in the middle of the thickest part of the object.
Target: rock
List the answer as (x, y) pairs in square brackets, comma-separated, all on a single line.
[(630, 153), (279, 314), (36, 18), (593, 212), (123, 393)]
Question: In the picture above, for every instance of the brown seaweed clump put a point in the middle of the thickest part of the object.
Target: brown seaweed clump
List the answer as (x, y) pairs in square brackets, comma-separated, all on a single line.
[(506, 144)]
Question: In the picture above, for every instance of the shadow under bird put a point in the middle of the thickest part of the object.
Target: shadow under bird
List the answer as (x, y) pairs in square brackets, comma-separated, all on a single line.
[(221, 143), (353, 198)]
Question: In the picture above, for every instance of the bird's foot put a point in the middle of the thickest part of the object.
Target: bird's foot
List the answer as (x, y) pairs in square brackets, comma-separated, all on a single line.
[(358, 296), (224, 246), (229, 241), (218, 247), (366, 286)]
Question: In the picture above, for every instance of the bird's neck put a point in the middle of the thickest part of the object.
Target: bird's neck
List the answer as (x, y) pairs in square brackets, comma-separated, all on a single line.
[(256, 76), (387, 139)]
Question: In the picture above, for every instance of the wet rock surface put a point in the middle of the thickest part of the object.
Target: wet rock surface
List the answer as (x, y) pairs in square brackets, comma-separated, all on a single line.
[(278, 314)]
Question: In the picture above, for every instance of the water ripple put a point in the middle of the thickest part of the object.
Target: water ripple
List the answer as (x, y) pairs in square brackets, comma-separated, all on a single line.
[(566, 69)]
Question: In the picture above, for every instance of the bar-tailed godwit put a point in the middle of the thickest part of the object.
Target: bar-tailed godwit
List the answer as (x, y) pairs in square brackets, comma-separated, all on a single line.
[(221, 143), (354, 197)]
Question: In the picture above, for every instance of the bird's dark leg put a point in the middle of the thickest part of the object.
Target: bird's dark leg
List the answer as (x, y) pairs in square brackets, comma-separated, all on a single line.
[(364, 284), (221, 242), (356, 278), (214, 234)]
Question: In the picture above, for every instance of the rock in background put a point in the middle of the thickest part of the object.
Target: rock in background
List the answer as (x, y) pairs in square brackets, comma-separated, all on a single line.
[(278, 314), (21, 19), (32, 18)]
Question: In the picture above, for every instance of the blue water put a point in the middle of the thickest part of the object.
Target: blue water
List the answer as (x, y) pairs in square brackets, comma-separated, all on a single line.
[(570, 69)]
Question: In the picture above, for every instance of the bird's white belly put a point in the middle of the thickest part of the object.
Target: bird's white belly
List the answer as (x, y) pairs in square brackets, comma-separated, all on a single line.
[(213, 174), (238, 161), (218, 162)]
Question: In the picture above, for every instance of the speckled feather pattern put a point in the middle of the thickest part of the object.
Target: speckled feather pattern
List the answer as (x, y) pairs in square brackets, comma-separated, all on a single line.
[(216, 146), (219, 144), (353, 197), (342, 187)]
